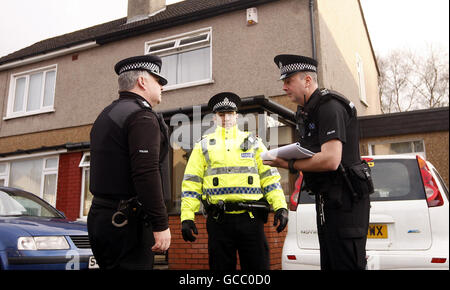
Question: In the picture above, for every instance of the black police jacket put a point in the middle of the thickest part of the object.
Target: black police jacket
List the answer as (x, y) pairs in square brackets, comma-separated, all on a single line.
[(326, 116), (129, 148)]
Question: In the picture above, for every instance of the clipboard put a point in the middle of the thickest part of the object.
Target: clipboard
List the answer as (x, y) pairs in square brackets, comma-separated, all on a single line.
[(291, 151)]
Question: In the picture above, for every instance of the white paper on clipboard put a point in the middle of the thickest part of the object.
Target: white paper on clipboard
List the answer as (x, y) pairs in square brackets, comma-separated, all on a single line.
[(291, 151)]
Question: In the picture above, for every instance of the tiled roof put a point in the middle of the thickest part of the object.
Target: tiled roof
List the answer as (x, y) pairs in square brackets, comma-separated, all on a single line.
[(175, 14)]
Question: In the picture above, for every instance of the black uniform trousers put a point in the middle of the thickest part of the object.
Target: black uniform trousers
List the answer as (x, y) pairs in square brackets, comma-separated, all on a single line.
[(343, 232), (125, 248), (237, 233)]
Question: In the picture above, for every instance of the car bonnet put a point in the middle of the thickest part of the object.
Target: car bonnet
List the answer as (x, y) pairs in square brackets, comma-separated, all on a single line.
[(43, 226)]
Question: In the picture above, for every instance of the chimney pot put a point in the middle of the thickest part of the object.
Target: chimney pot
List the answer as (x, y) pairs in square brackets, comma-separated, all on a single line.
[(143, 9)]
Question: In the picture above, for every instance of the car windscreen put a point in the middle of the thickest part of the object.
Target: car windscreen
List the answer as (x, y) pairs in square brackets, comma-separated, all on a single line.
[(16, 203), (393, 179)]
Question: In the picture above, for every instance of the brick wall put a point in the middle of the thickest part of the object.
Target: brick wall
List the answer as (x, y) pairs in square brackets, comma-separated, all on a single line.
[(69, 185), (186, 255)]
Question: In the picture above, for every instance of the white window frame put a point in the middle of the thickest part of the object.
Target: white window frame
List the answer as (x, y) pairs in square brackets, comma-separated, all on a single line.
[(46, 171), (178, 48), (10, 114), (85, 167), (84, 162), (361, 80), (49, 171), (5, 175), (423, 154)]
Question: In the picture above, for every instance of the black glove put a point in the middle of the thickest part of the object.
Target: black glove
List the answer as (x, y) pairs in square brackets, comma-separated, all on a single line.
[(282, 216), (187, 227)]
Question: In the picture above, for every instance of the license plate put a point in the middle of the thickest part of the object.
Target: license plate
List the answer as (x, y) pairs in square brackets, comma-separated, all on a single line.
[(377, 231), (92, 263)]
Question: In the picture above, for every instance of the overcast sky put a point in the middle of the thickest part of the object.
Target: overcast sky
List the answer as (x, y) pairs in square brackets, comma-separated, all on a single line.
[(391, 23)]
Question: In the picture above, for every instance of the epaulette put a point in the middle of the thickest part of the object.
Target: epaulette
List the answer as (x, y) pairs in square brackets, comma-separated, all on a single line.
[(201, 138), (204, 137), (143, 104), (122, 110), (330, 94), (250, 141)]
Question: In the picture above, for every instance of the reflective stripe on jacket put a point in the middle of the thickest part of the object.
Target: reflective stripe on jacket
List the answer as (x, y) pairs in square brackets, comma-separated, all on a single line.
[(220, 168)]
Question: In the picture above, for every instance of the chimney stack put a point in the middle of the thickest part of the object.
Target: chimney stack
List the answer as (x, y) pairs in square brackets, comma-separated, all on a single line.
[(142, 9)]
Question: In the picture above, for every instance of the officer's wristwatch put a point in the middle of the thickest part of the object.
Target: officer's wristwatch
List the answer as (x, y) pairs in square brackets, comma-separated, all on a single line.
[(291, 166)]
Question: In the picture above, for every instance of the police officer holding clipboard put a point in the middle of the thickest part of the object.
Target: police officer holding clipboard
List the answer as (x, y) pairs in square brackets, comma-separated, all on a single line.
[(327, 125)]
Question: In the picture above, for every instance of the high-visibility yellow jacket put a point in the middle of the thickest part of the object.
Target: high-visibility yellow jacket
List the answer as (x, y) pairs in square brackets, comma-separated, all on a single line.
[(221, 168)]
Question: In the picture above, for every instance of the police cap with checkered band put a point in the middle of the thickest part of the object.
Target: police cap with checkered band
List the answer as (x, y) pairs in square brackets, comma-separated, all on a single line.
[(149, 63), (290, 64), (224, 102)]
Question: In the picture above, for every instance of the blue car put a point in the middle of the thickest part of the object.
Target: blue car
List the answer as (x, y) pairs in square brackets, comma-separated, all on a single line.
[(36, 236)]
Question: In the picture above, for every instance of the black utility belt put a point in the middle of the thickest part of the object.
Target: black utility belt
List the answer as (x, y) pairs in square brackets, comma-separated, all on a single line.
[(250, 206), (356, 178), (239, 206), (105, 202), (125, 210), (219, 209)]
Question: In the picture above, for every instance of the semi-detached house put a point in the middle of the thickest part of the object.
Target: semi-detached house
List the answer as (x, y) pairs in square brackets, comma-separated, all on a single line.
[(52, 91)]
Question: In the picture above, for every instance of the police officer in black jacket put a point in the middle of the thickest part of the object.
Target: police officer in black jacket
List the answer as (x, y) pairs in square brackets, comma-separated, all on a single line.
[(128, 220), (327, 125)]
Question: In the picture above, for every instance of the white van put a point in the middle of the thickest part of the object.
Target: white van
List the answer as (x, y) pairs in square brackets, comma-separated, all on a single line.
[(409, 219)]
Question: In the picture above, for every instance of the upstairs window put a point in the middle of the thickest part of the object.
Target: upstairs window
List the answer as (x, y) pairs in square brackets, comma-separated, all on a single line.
[(186, 58), (32, 92), (361, 79)]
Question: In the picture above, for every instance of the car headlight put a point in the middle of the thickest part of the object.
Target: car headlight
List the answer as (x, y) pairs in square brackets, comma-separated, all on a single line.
[(42, 243), (26, 243)]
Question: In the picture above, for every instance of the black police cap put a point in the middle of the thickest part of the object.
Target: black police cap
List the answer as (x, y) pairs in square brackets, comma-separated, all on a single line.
[(224, 102), (150, 63), (290, 64)]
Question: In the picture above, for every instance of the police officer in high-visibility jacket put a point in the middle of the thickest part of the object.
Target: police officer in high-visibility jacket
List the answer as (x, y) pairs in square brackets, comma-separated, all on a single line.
[(226, 174)]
